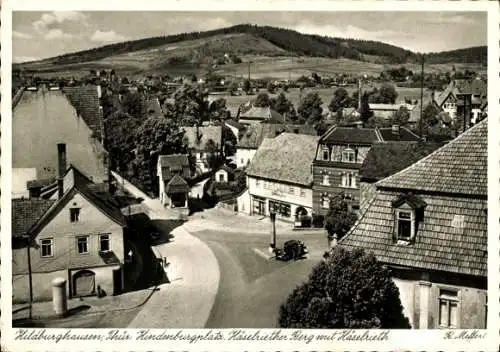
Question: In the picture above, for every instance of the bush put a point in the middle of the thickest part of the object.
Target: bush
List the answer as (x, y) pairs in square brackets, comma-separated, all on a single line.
[(348, 290)]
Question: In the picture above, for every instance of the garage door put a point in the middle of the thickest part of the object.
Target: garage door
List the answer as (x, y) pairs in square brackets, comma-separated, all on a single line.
[(84, 283)]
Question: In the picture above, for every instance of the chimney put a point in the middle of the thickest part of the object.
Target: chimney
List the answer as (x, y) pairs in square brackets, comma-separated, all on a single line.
[(61, 163)]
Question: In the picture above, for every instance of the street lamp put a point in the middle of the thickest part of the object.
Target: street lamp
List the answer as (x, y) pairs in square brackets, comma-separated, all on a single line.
[(272, 245)]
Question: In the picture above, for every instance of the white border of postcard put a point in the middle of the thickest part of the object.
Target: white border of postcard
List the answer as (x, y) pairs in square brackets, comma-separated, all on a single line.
[(428, 340)]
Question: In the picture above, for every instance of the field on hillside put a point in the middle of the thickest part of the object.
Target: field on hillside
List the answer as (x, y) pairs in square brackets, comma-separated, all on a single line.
[(326, 94)]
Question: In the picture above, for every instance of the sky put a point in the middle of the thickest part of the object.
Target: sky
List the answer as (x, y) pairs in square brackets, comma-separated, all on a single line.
[(38, 35)]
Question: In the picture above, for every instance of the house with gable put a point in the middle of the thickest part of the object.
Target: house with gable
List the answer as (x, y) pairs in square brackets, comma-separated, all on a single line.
[(173, 175), (428, 224), (260, 114), (203, 141), (77, 235), (340, 154), (43, 116), (279, 178)]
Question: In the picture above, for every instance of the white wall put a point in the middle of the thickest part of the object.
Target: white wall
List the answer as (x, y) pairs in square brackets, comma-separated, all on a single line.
[(244, 156), (244, 203), (20, 176), (280, 191)]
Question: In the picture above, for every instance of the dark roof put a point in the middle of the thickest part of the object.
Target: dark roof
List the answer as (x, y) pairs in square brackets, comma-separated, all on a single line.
[(351, 135), (175, 163), (387, 158), (26, 212), (403, 134), (255, 133), (40, 183), (286, 158), (226, 168), (460, 167), (452, 236), (85, 100), (198, 140), (176, 184), (414, 201)]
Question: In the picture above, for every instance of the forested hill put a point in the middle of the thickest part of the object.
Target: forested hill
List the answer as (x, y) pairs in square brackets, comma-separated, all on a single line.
[(293, 42)]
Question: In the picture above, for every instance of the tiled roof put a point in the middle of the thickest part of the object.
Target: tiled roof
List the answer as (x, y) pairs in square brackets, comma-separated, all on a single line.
[(40, 183), (85, 100), (452, 236), (205, 134), (403, 134), (178, 163), (176, 184), (255, 133), (286, 158), (385, 159), (350, 135), (458, 167), (26, 212), (262, 113)]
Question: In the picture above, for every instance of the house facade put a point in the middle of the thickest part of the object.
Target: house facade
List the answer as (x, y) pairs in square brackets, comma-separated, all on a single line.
[(173, 171), (202, 141), (43, 117), (428, 224), (77, 236), (279, 177), (339, 156)]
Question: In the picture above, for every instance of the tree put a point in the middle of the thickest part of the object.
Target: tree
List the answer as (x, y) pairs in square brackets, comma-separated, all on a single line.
[(349, 289), (429, 118), (156, 136), (214, 158), (270, 87), (218, 110), (134, 104), (387, 94), (262, 100), (339, 219), (400, 117), (230, 141), (310, 109), (364, 110), (284, 106), (340, 100)]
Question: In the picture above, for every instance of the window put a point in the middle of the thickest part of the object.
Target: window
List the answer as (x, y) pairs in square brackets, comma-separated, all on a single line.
[(242, 161), (257, 183), (325, 154), (348, 156), (325, 202), (404, 220), (221, 177), (82, 244), (74, 214), (448, 308), (326, 179), (281, 209), (349, 180), (302, 192), (291, 190), (47, 247), (104, 243)]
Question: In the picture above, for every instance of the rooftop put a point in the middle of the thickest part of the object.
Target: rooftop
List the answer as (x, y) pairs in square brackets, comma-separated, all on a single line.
[(351, 135), (402, 134), (85, 100), (286, 158), (459, 167), (255, 133), (198, 139), (26, 212)]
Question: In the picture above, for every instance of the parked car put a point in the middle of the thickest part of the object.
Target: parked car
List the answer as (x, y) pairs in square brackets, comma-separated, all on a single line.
[(292, 249)]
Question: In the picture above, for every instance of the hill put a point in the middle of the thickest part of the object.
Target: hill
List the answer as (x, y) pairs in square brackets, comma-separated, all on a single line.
[(197, 50)]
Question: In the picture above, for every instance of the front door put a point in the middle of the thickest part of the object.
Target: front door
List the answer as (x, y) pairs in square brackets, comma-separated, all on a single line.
[(84, 283)]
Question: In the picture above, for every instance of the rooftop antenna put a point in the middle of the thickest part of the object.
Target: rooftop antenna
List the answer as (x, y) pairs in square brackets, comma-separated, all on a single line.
[(421, 95)]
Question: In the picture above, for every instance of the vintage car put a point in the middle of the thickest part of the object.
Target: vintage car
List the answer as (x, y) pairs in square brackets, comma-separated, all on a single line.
[(292, 249)]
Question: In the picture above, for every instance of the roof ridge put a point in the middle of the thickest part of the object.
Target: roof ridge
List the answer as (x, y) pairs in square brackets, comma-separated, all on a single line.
[(466, 133)]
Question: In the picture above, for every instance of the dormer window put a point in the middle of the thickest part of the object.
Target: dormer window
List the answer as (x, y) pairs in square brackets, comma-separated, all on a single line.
[(348, 156), (408, 213), (325, 154)]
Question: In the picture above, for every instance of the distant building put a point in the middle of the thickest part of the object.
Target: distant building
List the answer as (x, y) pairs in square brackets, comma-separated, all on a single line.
[(173, 175), (340, 153), (428, 224), (77, 235), (387, 110), (197, 139), (43, 117), (260, 114), (254, 134), (280, 179)]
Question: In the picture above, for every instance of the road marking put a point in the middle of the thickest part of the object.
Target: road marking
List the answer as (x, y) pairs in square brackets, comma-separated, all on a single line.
[(262, 254)]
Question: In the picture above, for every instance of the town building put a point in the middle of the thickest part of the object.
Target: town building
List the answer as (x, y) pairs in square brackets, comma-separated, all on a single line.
[(173, 173), (428, 224), (279, 177), (254, 134), (77, 235), (340, 154), (44, 116), (387, 110), (203, 141), (260, 114)]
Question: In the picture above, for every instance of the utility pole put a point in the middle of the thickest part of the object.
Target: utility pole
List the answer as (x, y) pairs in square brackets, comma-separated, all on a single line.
[(421, 96), (249, 63), (359, 93), (30, 280)]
